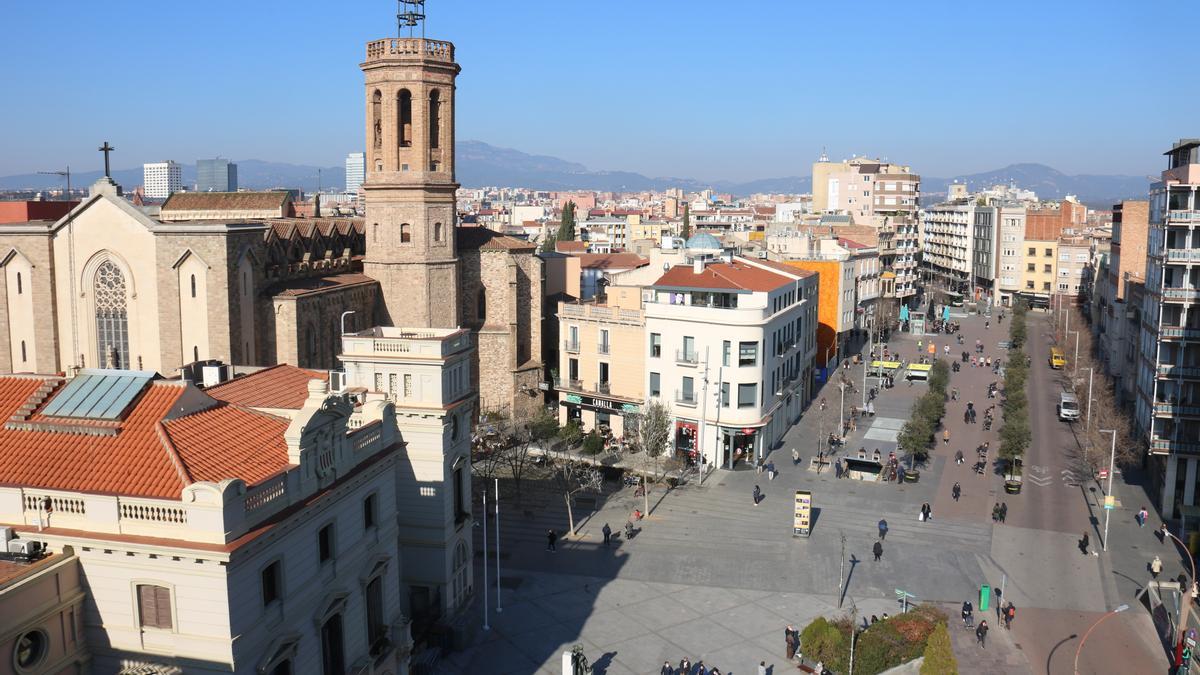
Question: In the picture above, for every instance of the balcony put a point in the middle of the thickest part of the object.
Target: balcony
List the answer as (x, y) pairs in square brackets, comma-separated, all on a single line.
[(1183, 255), (685, 397), (1175, 409), (1180, 294), (568, 384), (686, 358), (604, 388), (1165, 446), (602, 348), (1170, 371), (1183, 216), (1179, 333), (571, 347)]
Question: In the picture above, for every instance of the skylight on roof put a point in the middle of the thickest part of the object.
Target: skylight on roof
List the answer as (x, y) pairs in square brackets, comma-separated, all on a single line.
[(98, 394)]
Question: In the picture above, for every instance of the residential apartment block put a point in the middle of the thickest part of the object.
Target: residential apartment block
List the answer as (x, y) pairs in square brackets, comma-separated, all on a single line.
[(1118, 319), (162, 179), (1168, 406)]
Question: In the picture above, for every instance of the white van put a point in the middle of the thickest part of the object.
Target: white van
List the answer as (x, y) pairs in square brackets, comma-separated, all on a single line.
[(1068, 407)]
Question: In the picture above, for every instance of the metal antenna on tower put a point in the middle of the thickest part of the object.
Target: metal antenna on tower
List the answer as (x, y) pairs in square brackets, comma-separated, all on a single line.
[(410, 14)]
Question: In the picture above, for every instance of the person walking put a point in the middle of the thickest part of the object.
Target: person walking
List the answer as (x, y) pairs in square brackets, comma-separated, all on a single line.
[(607, 533), (1142, 516), (981, 633), (551, 538), (1156, 566), (1003, 511), (946, 436), (996, 513), (1083, 543), (757, 495), (790, 641), (1010, 613), (795, 456), (877, 549), (762, 668), (685, 666), (967, 614), (956, 491), (883, 528), (700, 669), (667, 669)]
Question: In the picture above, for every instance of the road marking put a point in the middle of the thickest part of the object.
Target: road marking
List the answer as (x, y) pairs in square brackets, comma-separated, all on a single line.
[(1040, 481)]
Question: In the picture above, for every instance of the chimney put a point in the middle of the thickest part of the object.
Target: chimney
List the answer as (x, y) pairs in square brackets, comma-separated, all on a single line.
[(697, 265)]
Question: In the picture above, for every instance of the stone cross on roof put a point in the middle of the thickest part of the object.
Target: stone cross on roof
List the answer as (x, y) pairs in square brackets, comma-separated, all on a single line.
[(106, 148)]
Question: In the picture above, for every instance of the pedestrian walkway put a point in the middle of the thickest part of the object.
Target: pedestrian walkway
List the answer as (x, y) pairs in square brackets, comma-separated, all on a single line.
[(999, 656)]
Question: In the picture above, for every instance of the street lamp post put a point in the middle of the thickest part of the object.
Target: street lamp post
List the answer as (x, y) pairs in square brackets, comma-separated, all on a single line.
[(1108, 493), (1079, 649), (1188, 595)]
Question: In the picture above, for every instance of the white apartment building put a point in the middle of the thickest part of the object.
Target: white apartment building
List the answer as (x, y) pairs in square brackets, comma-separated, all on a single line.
[(730, 348), (356, 171), (946, 245), (1011, 253), (162, 179)]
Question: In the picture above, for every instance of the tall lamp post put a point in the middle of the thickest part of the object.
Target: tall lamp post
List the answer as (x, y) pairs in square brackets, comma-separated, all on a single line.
[(1108, 492), (1079, 649), (1189, 595)]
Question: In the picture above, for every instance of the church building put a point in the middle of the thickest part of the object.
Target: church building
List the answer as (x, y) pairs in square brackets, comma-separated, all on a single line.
[(238, 278)]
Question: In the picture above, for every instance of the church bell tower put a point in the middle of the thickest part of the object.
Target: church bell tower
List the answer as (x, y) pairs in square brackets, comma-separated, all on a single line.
[(410, 186)]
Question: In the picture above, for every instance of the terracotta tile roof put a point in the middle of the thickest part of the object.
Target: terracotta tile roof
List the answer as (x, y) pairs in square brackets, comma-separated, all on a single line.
[(310, 285), (782, 267), (224, 201), (283, 387), (487, 240), (570, 246), (607, 261), (230, 442), (143, 455), (735, 276), (133, 461)]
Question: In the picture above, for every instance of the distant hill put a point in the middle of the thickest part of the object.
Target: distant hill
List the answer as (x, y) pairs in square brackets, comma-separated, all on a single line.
[(480, 164), (1097, 191)]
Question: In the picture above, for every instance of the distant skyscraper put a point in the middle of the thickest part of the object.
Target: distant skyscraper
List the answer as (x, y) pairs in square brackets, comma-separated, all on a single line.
[(162, 178), (356, 170), (216, 175)]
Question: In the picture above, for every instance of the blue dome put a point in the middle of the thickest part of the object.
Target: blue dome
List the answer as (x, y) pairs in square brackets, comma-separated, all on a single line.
[(704, 241)]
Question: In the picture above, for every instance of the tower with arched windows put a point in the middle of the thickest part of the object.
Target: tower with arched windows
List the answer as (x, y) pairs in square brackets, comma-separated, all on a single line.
[(410, 183)]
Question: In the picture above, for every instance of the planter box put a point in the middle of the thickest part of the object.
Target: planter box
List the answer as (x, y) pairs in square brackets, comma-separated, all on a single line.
[(1012, 486)]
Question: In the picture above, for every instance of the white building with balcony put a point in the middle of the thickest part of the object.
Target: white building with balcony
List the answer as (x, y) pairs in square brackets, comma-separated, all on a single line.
[(730, 349), (271, 524)]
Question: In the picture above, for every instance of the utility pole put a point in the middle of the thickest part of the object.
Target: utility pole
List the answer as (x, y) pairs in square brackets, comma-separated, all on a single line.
[(1108, 493), (842, 570)]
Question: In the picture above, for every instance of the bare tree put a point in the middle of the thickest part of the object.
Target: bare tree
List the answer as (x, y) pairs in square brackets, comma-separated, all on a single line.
[(654, 436), (572, 478), (513, 450)]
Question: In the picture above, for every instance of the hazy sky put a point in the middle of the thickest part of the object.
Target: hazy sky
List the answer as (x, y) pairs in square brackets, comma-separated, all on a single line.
[(691, 88)]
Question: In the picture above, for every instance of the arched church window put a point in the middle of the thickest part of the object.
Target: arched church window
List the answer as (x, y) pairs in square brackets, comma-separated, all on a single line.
[(437, 231), (404, 98), (193, 285), (481, 304), (112, 316), (435, 119), (405, 233), (377, 118)]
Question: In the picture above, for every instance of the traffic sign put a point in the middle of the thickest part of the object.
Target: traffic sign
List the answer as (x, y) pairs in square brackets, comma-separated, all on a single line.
[(1103, 473)]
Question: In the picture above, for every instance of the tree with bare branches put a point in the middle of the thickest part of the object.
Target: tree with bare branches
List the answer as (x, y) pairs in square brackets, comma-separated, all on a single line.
[(653, 436), (573, 477)]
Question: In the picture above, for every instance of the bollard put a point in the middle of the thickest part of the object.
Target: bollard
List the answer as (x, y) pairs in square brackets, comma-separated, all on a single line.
[(985, 597)]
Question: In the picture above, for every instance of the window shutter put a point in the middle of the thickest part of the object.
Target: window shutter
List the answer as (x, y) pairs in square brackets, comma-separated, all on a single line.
[(162, 601), (147, 610)]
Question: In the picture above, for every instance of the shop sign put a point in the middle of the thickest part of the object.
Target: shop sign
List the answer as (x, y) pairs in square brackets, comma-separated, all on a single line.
[(592, 403)]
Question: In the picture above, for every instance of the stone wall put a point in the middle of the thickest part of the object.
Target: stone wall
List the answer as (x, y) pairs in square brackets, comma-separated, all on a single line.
[(37, 249)]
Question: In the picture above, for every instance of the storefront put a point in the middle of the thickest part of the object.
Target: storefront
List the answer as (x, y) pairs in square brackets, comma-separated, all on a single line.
[(686, 434), (591, 412), (739, 446)]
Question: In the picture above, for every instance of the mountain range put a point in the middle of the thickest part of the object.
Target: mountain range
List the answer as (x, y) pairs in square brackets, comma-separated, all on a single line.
[(480, 164)]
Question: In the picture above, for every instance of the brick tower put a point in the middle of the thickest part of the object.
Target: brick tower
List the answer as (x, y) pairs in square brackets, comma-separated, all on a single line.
[(410, 186)]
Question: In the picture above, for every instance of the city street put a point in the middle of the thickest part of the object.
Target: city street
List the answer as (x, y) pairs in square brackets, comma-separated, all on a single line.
[(713, 576)]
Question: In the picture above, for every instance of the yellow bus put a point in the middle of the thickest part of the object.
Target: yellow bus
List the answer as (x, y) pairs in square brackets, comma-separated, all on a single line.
[(1057, 360)]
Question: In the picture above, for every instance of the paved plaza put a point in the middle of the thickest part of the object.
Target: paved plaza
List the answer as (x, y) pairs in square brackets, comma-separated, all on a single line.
[(713, 576)]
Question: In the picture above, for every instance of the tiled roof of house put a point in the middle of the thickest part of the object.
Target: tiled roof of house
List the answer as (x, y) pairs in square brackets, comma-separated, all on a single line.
[(310, 285), (230, 442), (570, 246), (781, 267), (223, 201), (609, 261), (143, 454), (735, 276), (284, 387), (487, 240)]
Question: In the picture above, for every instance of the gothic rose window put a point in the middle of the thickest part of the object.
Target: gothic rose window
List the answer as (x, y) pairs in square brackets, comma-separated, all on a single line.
[(112, 317)]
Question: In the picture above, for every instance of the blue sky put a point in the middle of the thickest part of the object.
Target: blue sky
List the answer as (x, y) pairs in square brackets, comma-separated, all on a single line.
[(693, 88)]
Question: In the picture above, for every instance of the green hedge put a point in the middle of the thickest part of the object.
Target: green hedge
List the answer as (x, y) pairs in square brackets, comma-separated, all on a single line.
[(881, 646)]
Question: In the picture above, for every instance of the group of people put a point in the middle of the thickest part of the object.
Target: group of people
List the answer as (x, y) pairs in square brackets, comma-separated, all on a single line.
[(687, 668), (999, 512)]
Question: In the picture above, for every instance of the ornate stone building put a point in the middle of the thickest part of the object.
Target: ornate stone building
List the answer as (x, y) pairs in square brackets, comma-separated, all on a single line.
[(236, 277)]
